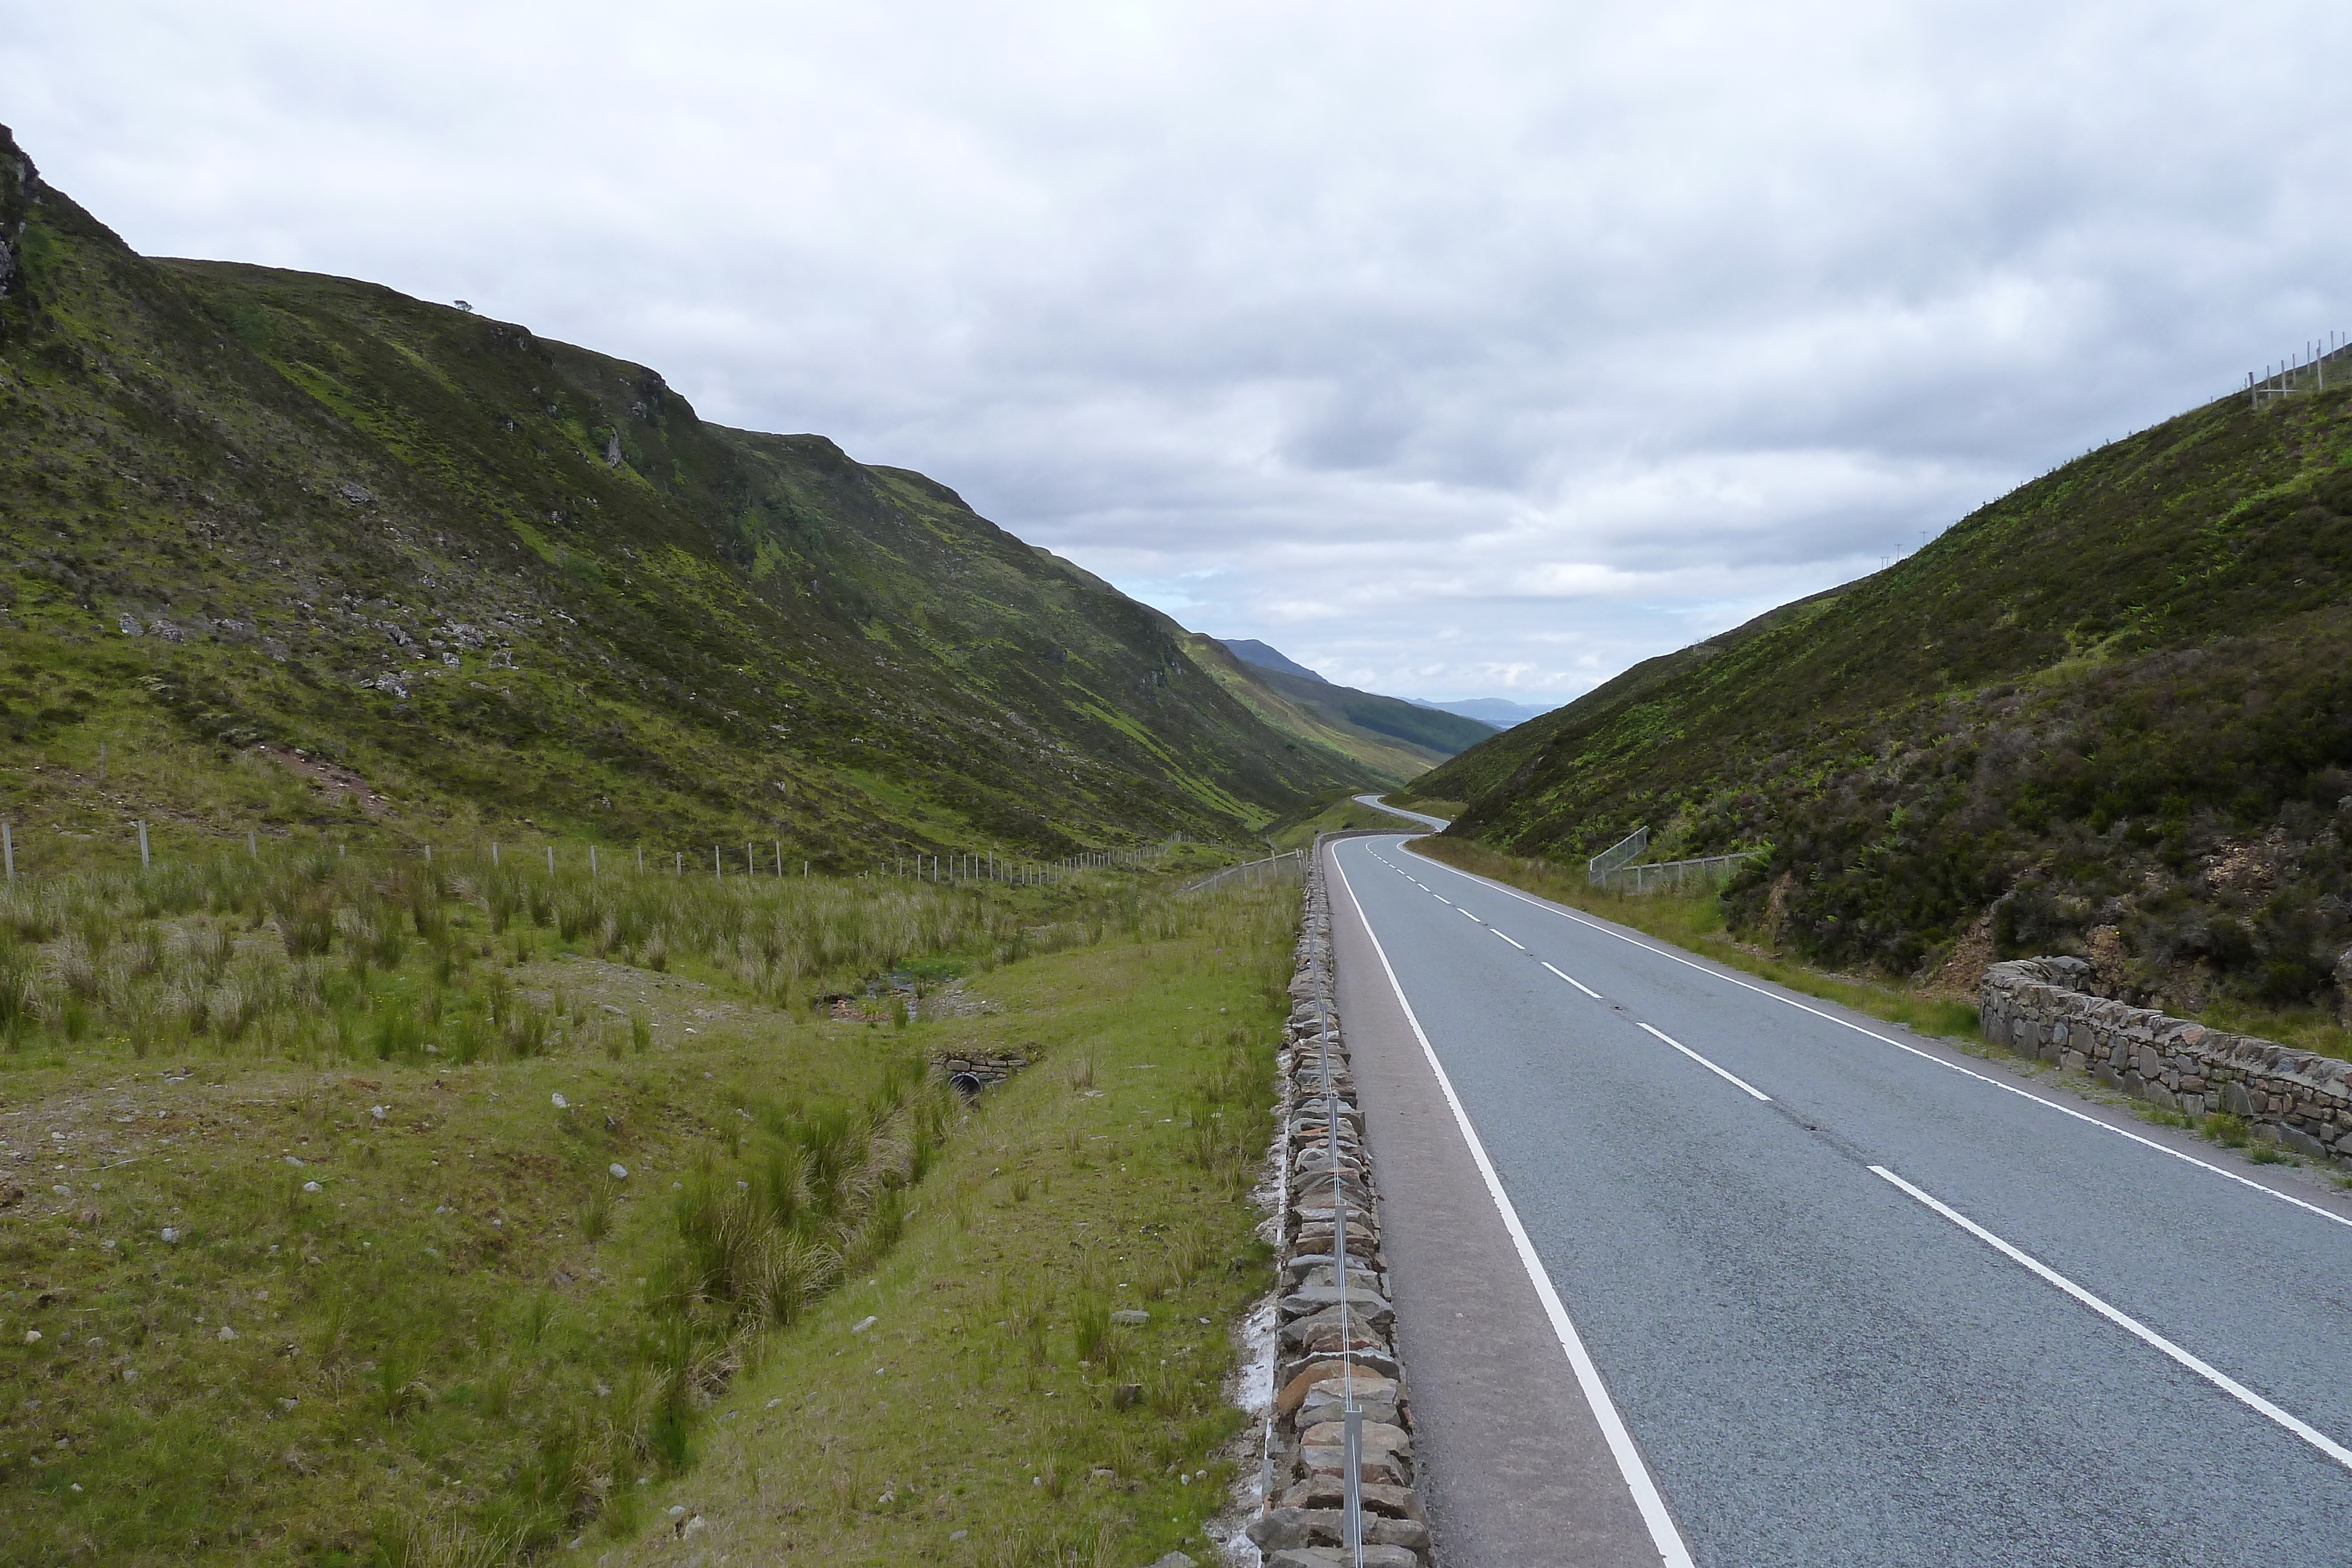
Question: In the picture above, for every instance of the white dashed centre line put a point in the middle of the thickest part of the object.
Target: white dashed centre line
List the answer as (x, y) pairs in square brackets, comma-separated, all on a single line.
[(1521, 948), (1728, 1077), (1572, 980), (2151, 1144)]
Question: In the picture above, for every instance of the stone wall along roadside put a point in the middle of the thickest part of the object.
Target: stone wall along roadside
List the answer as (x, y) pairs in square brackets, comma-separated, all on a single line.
[(2041, 1007), (1332, 1333)]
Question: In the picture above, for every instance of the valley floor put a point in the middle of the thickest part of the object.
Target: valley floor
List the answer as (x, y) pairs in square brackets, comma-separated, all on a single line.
[(521, 1241)]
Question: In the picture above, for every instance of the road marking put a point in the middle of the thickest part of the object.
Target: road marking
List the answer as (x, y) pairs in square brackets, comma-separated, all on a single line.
[(1466, 914), (1668, 1539), (2206, 1166), (1572, 980), (1521, 946), (1702, 1062), (2218, 1378), (1442, 899)]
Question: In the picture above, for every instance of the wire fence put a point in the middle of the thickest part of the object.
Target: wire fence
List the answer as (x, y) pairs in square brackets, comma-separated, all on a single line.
[(718, 860), (2303, 373), (1625, 849), (1291, 863), (1673, 873)]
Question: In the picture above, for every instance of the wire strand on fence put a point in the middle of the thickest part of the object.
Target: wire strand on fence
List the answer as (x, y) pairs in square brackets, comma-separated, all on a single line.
[(1672, 873)]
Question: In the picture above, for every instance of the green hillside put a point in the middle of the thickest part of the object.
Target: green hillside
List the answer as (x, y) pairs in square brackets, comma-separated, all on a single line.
[(287, 552), (2110, 713), (1389, 739)]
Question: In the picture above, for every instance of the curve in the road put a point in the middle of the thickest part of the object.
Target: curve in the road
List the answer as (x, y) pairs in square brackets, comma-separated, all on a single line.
[(1423, 818)]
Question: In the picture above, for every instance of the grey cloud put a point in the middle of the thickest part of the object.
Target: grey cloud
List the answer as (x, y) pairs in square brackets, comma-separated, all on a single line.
[(1491, 349)]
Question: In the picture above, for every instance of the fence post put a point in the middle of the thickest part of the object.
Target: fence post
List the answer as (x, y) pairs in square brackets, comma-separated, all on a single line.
[(591, 862), (143, 860), (252, 845), (8, 847), (494, 854), (428, 855), (641, 860), (551, 859)]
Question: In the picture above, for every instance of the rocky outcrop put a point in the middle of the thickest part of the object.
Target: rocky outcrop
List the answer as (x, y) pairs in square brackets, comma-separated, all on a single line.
[(2043, 1008), (1336, 1334)]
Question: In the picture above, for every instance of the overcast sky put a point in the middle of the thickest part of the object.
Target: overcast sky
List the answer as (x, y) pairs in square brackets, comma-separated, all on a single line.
[(1462, 350)]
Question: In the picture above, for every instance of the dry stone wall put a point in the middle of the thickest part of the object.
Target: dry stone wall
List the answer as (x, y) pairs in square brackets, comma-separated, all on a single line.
[(1333, 1333), (2041, 1007)]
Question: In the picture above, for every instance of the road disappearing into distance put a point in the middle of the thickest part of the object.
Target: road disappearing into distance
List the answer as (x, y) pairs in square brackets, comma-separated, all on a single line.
[(1854, 1298)]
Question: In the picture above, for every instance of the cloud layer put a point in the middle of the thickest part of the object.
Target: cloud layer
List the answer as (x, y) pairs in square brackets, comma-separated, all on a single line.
[(1476, 349)]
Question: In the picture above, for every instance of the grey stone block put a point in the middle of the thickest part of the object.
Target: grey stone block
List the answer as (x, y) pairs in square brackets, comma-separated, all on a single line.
[(2303, 1143)]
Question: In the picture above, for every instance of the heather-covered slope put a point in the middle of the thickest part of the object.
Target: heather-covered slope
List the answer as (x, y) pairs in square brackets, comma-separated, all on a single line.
[(1392, 740), (2110, 712), (477, 576)]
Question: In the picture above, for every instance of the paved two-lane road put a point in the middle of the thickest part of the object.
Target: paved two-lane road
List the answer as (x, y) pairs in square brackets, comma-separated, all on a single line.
[(1857, 1300)]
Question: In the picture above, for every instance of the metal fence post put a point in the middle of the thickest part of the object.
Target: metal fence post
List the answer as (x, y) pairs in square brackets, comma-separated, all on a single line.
[(143, 861)]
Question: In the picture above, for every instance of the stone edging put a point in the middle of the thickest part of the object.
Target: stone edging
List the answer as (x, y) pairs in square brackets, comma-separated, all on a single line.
[(2302, 1099), (1302, 1525)]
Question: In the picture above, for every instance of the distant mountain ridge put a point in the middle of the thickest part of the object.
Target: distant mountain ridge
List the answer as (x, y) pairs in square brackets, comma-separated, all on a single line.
[(1495, 711), (1250, 651)]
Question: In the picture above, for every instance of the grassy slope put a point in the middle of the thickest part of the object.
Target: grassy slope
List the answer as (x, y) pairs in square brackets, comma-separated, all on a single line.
[(1383, 737), (1493, 763), (474, 1334), (507, 579), (982, 1399), (2109, 713), (1429, 731)]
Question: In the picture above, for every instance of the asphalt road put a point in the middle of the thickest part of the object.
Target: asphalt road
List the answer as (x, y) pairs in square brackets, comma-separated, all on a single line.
[(1376, 804), (1855, 1298)]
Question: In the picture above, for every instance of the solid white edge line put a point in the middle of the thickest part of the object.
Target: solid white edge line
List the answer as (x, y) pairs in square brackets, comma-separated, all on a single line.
[(1923, 1055), (1572, 980), (1702, 1062), (1663, 1533), (1521, 946), (2218, 1378)]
